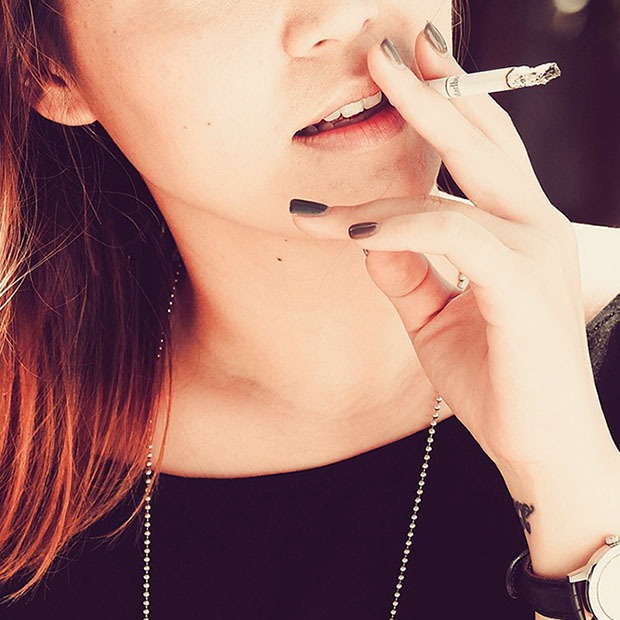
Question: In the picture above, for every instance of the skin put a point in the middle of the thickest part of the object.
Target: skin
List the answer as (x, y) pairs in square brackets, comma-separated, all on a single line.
[(278, 327), (174, 80), (225, 87)]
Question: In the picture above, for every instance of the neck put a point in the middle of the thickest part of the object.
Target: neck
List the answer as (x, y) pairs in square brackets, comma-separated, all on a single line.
[(285, 355), (298, 319)]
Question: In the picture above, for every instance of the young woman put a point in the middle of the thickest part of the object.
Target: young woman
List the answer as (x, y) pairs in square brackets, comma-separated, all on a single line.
[(186, 303)]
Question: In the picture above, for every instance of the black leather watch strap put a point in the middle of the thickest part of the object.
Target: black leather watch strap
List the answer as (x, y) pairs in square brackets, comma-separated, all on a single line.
[(554, 598)]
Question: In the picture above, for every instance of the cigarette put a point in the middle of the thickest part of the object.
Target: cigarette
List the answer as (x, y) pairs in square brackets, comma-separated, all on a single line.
[(495, 81)]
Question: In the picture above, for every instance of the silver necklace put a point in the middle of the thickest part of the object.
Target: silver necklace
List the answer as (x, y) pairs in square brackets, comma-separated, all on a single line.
[(148, 472)]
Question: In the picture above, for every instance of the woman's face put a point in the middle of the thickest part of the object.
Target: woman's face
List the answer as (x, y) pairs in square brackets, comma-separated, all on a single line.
[(204, 98)]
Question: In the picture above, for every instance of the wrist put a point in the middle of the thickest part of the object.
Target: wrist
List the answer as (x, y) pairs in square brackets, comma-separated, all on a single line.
[(563, 463), (563, 440), (566, 508), (592, 589)]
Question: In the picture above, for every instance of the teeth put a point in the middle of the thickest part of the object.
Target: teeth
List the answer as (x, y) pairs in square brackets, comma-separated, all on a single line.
[(351, 109), (371, 102), (332, 117)]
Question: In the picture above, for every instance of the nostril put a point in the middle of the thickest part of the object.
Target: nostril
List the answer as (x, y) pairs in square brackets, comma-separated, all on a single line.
[(311, 25)]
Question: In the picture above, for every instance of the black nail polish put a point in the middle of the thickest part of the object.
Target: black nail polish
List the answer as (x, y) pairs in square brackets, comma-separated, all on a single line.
[(307, 207), (363, 230), (435, 38), (389, 49)]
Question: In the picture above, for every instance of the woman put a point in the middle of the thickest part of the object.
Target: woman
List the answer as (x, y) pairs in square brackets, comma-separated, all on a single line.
[(290, 377)]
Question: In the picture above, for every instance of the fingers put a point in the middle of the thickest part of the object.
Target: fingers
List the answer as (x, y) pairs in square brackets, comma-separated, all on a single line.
[(495, 254), (412, 284), (485, 173), (482, 111), (470, 247), (489, 264), (336, 221)]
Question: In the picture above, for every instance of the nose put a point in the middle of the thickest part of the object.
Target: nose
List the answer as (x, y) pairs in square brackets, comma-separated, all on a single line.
[(318, 23)]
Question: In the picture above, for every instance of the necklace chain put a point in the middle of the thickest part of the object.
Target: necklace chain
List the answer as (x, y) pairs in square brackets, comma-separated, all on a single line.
[(416, 507), (148, 472)]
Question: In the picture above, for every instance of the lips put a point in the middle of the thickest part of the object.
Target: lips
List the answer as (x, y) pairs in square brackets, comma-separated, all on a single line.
[(323, 126), (355, 92)]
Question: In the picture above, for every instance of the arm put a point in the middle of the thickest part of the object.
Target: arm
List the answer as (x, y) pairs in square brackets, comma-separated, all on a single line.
[(574, 508), (608, 390), (599, 258), (523, 386)]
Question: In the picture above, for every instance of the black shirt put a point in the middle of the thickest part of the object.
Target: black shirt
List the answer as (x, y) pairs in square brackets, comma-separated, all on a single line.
[(319, 544)]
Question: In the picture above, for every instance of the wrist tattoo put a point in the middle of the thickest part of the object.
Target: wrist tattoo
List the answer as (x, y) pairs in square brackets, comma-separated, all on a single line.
[(524, 511)]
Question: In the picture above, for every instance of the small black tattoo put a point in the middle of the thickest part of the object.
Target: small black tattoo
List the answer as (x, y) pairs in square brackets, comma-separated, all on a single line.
[(524, 511)]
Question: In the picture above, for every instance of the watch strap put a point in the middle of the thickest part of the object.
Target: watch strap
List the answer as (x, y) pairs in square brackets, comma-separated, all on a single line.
[(554, 598)]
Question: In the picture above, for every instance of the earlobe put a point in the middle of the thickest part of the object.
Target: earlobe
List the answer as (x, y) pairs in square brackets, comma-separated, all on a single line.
[(60, 101)]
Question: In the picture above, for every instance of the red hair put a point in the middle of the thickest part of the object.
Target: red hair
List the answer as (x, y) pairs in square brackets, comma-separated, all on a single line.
[(85, 271)]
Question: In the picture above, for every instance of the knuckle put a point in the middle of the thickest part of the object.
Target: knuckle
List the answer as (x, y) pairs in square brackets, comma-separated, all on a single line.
[(545, 247), (542, 261), (559, 234), (434, 203), (452, 224), (539, 243), (410, 226)]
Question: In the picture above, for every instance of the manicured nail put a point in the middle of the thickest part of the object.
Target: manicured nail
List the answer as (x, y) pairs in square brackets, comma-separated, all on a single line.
[(307, 207), (389, 49), (363, 230), (435, 38)]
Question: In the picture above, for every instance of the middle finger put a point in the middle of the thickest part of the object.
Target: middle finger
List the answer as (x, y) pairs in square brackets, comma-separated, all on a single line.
[(481, 110), (485, 173)]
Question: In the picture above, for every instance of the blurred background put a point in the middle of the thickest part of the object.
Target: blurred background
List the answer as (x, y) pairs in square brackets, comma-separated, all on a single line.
[(571, 127)]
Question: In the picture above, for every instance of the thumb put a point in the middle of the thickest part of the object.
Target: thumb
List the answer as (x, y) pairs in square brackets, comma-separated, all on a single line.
[(412, 284)]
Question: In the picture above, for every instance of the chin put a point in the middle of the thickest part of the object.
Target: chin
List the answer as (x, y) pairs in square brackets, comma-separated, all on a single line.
[(409, 176)]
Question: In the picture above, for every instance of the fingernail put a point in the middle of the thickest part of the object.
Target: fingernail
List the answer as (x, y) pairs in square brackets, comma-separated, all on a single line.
[(389, 49), (307, 207), (435, 38), (363, 230)]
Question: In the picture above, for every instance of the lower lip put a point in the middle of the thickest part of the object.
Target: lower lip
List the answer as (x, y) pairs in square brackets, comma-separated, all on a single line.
[(368, 134)]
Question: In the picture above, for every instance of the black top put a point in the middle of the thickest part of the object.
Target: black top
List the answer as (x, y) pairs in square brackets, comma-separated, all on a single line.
[(323, 543)]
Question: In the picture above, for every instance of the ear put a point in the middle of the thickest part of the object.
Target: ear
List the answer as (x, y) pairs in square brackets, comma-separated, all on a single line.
[(61, 101)]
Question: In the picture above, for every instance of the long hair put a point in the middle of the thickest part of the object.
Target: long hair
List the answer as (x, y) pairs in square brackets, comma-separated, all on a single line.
[(86, 266)]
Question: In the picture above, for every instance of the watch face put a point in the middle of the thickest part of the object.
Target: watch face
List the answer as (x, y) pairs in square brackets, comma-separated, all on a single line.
[(604, 586)]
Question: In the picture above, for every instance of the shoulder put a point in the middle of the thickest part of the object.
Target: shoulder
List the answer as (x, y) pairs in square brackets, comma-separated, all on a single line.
[(603, 333), (599, 257), (604, 338)]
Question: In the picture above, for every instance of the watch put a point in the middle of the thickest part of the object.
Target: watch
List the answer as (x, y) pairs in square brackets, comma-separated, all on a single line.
[(593, 588)]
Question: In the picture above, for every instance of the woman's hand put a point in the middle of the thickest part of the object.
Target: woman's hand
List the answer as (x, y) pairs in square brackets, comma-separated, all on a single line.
[(509, 354)]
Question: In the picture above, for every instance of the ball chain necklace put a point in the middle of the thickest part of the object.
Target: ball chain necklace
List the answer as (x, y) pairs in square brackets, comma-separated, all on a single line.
[(148, 472)]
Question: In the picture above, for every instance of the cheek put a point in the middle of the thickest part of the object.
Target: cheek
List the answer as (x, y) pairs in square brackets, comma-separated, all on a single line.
[(229, 154), (193, 119), (205, 124)]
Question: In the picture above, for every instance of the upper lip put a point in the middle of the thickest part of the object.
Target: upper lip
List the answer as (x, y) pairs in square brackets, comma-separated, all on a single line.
[(353, 92)]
